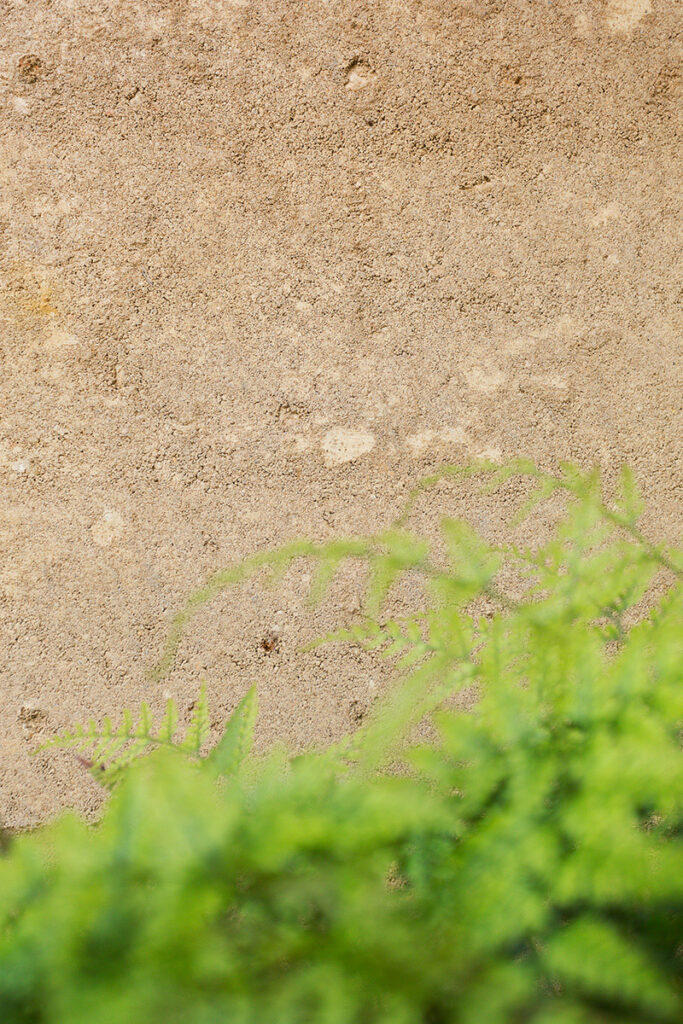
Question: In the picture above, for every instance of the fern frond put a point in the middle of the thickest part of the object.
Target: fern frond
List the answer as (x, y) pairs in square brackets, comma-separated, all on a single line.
[(198, 731), (169, 724), (234, 746), (107, 749)]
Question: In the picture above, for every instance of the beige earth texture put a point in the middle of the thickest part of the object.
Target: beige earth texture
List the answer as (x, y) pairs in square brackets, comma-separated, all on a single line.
[(264, 264)]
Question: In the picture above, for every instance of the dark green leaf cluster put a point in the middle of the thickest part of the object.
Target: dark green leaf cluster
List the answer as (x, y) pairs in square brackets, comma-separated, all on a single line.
[(524, 865)]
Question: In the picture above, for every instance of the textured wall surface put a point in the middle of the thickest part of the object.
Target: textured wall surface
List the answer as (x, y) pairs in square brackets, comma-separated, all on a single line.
[(263, 264)]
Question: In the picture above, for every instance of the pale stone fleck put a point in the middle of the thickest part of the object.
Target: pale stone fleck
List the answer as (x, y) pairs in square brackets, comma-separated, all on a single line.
[(58, 338), (341, 445), (490, 454), (108, 528), (488, 380), (431, 438), (357, 80), (605, 214), (624, 15)]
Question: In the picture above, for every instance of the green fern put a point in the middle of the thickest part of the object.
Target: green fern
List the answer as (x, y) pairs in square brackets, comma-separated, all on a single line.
[(524, 864), (235, 744), (106, 750)]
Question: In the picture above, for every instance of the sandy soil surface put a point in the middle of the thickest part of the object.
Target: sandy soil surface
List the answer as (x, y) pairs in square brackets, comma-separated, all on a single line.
[(263, 264)]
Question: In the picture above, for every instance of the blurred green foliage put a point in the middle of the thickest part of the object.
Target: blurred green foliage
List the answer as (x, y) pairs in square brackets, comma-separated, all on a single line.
[(524, 865)]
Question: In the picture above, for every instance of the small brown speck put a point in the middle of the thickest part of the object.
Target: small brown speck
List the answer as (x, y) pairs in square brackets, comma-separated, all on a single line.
[(270, 642), (32, 719), (30, 67), (357, 711), (31, 713)]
